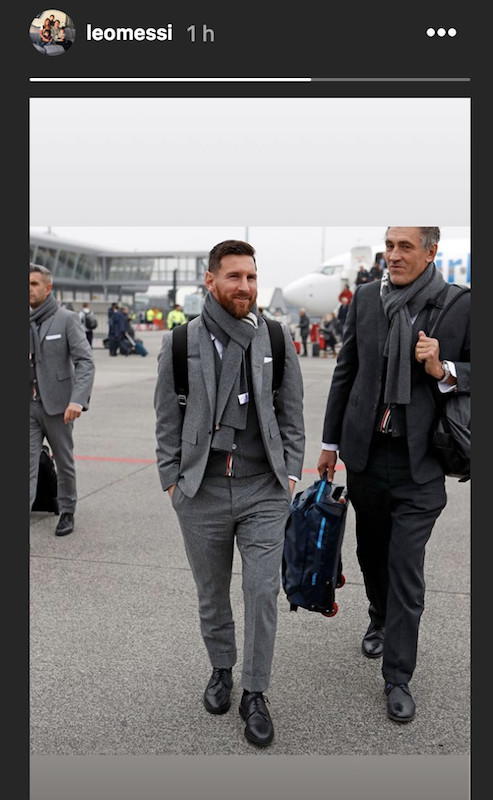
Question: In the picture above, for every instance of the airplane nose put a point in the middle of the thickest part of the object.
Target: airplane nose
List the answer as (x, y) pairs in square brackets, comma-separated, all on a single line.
[(297, 291)]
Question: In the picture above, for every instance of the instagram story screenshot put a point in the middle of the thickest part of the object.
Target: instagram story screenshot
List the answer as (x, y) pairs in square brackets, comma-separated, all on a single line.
[(239, 307)]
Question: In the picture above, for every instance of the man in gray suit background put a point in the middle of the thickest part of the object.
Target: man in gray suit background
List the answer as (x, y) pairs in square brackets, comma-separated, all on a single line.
[(61, 378), (380, 413), (230, 465)]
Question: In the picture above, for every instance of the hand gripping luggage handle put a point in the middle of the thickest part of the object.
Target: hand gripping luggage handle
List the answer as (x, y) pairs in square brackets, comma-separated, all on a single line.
[(337, 492)]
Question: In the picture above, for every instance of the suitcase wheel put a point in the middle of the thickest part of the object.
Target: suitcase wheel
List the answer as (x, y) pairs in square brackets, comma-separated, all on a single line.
[(341, 581), (335, 609)]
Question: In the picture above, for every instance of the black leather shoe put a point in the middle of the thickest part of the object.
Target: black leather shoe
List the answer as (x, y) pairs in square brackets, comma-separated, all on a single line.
[(65, 524), (218, 690), (400, 703), (372, 644), (259, 728)]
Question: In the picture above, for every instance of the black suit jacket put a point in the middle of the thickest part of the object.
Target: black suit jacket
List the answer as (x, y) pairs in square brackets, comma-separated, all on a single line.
[(355, 391)]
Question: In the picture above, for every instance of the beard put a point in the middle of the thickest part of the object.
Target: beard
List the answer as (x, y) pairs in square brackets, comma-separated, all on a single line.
[(237, 309)]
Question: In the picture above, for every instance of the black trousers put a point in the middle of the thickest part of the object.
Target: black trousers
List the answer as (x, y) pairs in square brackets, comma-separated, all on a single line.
[(394, 520)]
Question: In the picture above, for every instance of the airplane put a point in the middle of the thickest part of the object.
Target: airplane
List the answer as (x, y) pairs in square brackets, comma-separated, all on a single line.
[(318, 291)]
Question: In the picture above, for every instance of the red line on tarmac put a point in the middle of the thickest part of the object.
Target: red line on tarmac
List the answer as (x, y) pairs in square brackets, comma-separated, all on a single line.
[(153, 461), (313, 471), (119, 460)]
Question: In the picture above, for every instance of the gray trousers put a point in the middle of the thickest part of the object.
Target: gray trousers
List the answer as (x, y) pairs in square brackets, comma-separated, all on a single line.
[(60, 439), (253, 510)]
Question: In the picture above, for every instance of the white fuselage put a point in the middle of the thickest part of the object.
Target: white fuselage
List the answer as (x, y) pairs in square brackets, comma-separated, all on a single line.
[(318, 292)]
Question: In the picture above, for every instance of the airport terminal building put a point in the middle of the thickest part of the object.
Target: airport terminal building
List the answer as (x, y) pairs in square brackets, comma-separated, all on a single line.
[(81, 272), (138, 280)]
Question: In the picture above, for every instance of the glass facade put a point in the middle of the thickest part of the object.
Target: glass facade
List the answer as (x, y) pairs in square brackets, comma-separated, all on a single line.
[(77, 269)]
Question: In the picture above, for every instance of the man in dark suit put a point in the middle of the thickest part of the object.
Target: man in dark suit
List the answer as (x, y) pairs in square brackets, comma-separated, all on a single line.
[(230, 465), (117, 325), (379, 415), (61, 377)]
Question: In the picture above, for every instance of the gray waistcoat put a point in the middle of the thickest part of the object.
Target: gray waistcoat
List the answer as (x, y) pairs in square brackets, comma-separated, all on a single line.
[(249, 457)]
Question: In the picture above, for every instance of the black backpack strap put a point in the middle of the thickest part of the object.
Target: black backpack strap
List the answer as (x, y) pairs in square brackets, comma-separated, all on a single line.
[(446, 300), (180, 362), (278, 354)]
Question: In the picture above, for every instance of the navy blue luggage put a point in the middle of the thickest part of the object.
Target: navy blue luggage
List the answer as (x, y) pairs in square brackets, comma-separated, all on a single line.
[(311, 564), (140, 350), (136, 346), (125, 346)]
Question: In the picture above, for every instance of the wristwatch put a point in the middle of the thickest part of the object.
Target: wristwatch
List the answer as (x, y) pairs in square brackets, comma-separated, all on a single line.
[(446, 370)]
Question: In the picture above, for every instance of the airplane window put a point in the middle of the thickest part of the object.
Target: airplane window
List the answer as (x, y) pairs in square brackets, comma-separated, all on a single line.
[(330, 270)]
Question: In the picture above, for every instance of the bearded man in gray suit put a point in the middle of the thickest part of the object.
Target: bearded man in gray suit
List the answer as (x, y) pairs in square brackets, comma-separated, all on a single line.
[(230, 465), (61, 377), (380, 413)]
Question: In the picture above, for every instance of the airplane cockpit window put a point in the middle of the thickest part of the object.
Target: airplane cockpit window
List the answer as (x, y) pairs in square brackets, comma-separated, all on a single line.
[(331, 270)]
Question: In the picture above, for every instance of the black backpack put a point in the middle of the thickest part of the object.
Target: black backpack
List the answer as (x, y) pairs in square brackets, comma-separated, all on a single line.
[(451, 441), (180, 366)]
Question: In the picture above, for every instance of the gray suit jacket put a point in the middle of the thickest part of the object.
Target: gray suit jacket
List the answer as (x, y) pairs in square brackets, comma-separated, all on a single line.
[(354, 396), (66, 371), (183, 444)]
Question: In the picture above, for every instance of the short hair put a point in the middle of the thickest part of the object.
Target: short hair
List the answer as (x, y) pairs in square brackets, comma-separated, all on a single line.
[(429, 236), (42, 270), (230, 247)]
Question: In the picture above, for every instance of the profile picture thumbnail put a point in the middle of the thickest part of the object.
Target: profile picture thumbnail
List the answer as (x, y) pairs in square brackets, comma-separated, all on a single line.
[(52, 32)]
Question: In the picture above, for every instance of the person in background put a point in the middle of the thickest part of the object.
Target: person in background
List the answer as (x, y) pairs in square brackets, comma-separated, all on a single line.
[(175, 317), (346, 294), (342, 312), (328, 329), (230, 463), (111, 310), (61, 379), (378, 267), (379, 415), (304, 326), (84, 314), (150, 314), (363, 276), (117, 326)]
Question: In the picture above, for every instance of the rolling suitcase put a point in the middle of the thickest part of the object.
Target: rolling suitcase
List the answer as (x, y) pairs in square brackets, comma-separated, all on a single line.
[(125, 346), (315, 349), (140, 350), (46, 493), (311, 563)]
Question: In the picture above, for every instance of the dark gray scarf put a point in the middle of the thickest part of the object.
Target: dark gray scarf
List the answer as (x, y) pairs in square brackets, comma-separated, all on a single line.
[(400, 304), (36, 317), (235, 335)]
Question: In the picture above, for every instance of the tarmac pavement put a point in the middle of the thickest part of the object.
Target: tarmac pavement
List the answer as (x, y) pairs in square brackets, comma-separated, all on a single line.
[(118, 666)]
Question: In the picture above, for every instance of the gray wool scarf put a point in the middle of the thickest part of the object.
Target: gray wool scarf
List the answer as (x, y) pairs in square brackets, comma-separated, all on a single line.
[(236, 336), (36, 317), (400, 304)]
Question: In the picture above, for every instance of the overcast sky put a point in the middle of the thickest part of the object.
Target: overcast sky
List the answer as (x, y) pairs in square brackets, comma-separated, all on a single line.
[(283, 166), (283, 253)]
